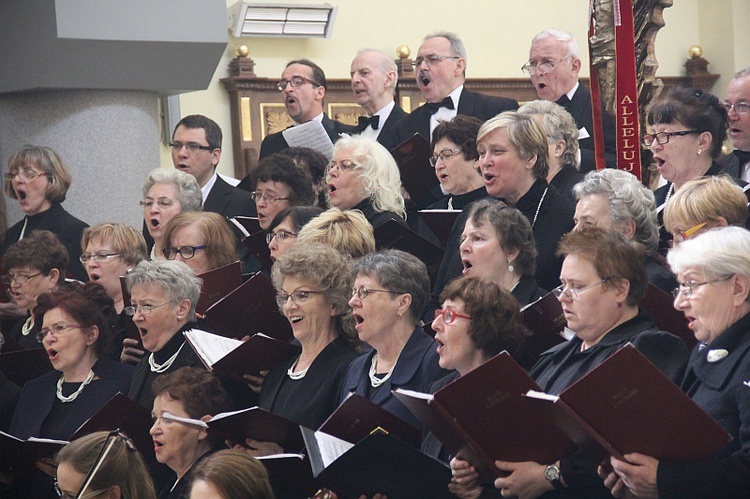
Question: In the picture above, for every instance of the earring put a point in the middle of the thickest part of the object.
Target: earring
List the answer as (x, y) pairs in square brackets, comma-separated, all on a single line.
[(511, 269), (619, 304), (179, 317), (700, 151)]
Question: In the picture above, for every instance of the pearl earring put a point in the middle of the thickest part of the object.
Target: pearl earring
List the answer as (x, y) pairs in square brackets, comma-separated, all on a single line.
[(511, 269), (700, 151)]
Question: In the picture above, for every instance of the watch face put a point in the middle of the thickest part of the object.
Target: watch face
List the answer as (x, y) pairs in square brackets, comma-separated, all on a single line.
[(552, 472)]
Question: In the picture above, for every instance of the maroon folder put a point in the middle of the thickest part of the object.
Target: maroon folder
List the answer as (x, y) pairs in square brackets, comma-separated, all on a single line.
[(21, 366), (257, 424), (413, 159), (217, 283), (660, 307)]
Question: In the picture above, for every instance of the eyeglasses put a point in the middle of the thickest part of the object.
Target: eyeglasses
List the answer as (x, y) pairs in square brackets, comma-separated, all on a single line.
[(363, 292), (56, 330), (686, 289), (343, 165), (739, 107), (145, 309), (298, 297), (530, 68), (26, 174), (449, 315), (296, 81), (186, 252), (663, 137), (431, 60), (68, 496), (190, 146), (18, 278), (97, 257), (572, 293), (161, 202), (682, 236), (279, 235), (268, 198), (443, 156)]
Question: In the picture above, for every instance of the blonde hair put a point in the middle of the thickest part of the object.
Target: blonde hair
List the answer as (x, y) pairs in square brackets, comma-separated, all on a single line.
[(126, 240), (525, 134), (219, 239), (705, 200), (348, 231), (51, 164)]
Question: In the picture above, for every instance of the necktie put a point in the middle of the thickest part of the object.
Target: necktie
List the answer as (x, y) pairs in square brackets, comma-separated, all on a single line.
[(433, 107), (363, 121)]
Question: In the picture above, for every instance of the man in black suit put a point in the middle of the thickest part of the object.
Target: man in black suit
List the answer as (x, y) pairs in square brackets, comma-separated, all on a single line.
[(374, 76), (196, 149), (737, 103), (303, 86), (554, 64), (440, 69)]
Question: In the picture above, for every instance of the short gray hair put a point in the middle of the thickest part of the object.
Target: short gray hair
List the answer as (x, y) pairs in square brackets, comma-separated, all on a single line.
[(570, 42), (719, 253), (742, 73), (400, 272), (176, 279), (386, 64), (558, 125), (188, 191), (457, 45), (628, 200)]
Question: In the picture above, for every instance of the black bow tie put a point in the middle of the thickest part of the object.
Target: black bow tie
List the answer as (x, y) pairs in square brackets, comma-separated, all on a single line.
[(744, 156), (363, 121), (563, 101), (433, 107)]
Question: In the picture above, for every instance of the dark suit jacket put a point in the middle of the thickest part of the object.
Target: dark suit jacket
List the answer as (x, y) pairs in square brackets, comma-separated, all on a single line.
[(730, 165), (38, 396), (385, 128), (580, 108), (470, 103), (229, 201), (275, 142)]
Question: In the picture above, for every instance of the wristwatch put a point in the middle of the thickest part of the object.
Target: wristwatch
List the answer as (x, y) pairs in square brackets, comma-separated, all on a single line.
[(552, 474)]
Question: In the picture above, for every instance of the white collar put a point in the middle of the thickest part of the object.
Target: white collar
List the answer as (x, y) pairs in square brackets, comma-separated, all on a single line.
[(209, 185), (572, 91), (317, 118)]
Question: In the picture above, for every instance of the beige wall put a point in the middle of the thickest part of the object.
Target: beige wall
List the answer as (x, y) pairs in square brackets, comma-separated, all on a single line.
[(496, 34)]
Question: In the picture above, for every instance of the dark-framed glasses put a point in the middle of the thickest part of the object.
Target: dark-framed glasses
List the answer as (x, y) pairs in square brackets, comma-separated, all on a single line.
[(279, 235), (186, 252), (364, 292), (663, 137), (431, 60), (295, 81), (190, 146), (264, 196), (686, 289), (18, 278), (443, 155), (449, 315), (55, 330), (531, 68), (145, 309), (343, 165), (573, 293), (99, 257), (298, 297), (26, 174), (739, 107)]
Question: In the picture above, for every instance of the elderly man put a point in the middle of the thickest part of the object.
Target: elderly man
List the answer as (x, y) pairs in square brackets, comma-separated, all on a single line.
[(737, 103), (303, 86), (374, 76), (440, 69), (554, 63)]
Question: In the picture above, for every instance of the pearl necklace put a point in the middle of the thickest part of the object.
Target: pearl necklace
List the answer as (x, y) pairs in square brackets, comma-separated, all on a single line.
[(27, 326), (374, 380), (160, 368), (293, 375), (76, 393)]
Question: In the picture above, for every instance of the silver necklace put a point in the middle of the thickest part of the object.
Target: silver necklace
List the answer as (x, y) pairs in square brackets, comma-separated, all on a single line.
[(76, 393), (539, 207), (669, 193), (27, 326), (299, 375), (374, 380), (160, 368)]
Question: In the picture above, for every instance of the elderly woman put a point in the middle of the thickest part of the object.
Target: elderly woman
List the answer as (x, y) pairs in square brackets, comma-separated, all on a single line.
[(230, 474), (349, 232), (39, 180), (390, 292), (76, 329), (604, 279), (454, 157), (688, 128), (364, 176), (313, 283), (200, 239), (562, 140), (120, 472), (167, 193), (478, 320), (497, 246), (285, 227), (704, 204), (713, 270), (616, 200), (278, 184), (34, 265), (110, 251), (163, 296), (183, 401)]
